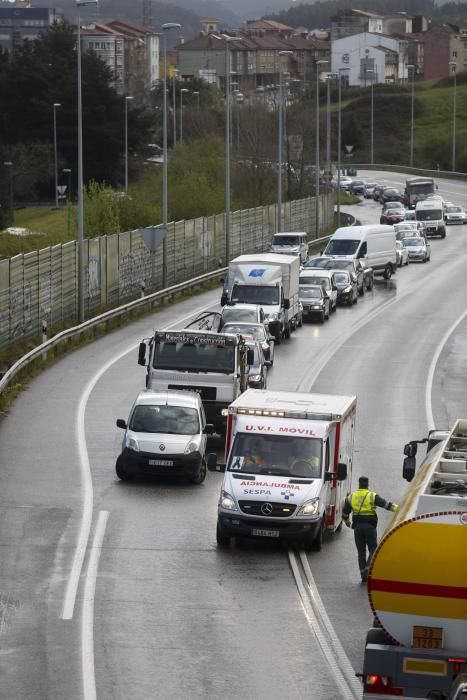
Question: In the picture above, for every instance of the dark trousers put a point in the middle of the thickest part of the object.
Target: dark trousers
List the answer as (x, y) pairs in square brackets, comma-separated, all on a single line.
[(365, 538)]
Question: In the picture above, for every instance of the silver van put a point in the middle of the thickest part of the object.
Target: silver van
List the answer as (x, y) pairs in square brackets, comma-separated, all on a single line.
[(165, 435), (290, 243)]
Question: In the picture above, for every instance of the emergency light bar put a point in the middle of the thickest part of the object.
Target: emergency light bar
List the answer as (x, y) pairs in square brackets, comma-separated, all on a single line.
[(282, 414)]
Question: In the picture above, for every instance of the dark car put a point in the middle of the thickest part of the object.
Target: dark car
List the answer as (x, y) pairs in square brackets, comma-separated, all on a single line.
[(357, 186), (258, 371), (393, 213), (347, 288), (315, 301), (390, 194), (259, 333), (364, 275)]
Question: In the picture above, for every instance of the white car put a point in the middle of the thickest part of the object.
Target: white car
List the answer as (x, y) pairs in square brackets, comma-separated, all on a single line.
[(165, 435), (324, 278), (402, 254), (453, 214)]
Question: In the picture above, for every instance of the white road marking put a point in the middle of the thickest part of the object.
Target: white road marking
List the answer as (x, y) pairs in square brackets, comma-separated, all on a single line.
[(87, 621), (322, 629), (431, 372), (86, 478)]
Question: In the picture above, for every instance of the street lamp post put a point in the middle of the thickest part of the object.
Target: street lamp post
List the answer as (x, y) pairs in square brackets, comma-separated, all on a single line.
[(181, 112), (339, 143), (328, 123), (165, 206), (227, 40), (174, 105), (196, 92), (317, 64), (68, 172), (80, 185), (55, 105), (453, 67), (372, 112), (280, 143), (127, 99), (412, 67)]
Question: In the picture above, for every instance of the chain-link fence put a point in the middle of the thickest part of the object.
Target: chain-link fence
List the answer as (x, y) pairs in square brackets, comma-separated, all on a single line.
[(43, 285)]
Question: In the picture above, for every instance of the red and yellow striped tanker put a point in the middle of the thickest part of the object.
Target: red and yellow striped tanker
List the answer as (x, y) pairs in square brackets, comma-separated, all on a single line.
[(417, 583)]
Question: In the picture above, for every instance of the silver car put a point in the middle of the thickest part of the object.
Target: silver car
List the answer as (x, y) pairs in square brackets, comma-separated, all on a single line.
[(418, 248), (402, 253), (454, 214)]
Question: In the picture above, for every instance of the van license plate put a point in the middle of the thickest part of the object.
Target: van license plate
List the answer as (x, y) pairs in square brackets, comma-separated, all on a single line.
[(161, 463), (265, 533)]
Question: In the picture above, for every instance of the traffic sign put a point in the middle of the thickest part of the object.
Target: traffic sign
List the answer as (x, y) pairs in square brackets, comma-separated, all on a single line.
[(61, 189)]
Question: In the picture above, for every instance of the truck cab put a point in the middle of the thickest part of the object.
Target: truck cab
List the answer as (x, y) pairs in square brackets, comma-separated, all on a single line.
[(215, 365)]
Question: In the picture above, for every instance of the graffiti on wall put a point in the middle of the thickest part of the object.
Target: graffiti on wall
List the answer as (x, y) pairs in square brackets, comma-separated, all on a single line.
[(134, 269)]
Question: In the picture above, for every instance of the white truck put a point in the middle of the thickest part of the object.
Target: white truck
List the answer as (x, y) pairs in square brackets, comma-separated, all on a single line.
[(215, 365), (417, 582), (268, 280), (288, 466)]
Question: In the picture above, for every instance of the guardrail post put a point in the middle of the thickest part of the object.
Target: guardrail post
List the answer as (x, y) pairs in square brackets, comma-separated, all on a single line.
[(44, 337)]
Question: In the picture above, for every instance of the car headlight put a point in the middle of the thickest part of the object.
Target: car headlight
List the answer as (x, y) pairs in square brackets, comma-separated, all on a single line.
[(316, 306), (347, 290), (254, 378), (227, 502), (310, 507), (272, 317), (131, 443), (192, 446), (265, 347)]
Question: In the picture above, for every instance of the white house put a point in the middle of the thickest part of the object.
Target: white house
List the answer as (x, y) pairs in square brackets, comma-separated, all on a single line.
[(370, 57)]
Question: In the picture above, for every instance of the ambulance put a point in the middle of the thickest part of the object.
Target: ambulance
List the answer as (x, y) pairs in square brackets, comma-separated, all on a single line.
[(417, 582), (288, 466)]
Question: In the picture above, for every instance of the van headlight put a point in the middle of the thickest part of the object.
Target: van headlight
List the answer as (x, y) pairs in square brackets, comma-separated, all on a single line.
[(131, 443), (310, 507), (192, 446), (272, 317), (254, 378), (227, 502)]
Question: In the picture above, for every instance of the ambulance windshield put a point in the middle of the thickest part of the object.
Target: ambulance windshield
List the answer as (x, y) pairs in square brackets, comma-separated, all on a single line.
[(276, 455)]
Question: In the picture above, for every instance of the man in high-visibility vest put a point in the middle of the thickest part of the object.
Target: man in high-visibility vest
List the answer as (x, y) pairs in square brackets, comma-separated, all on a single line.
[(362, 503)]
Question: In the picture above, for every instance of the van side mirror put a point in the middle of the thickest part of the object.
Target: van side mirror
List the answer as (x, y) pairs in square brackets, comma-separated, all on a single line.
[(341, 471), (286, 304), (224, 299), (209, 429), (408, 469), (121, 423), (250, 357), (410, 449), (142, 354)]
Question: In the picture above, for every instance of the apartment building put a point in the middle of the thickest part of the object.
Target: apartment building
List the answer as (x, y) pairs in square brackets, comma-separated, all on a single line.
[(445, 51)]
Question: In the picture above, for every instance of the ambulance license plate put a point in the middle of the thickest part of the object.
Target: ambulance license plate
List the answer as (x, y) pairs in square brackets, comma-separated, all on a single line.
[(265, 533), (161, 463), (427, 637)]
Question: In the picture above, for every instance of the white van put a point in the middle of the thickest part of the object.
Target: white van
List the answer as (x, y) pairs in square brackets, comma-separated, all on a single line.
[(374, 245), (290, 243), (430, 212)]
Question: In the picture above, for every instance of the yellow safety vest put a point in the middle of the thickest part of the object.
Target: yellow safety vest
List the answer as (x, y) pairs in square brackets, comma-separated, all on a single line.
[(362, 502)]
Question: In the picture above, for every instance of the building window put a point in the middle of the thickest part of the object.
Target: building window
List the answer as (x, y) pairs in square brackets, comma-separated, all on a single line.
[(454, 54)]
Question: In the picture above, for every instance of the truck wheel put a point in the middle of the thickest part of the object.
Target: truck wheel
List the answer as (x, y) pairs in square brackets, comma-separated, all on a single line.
[(317, 542), (387, 272), (222, 539), (278, 339), (287, 331), (369, 285), (200, 476), (361, 291)]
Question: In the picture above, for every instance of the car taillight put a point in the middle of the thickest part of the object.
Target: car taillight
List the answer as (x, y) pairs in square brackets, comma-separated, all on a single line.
[(381, 685)]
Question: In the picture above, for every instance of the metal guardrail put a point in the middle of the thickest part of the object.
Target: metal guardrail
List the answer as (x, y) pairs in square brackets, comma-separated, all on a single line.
[(41, 350), (411, 171)]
